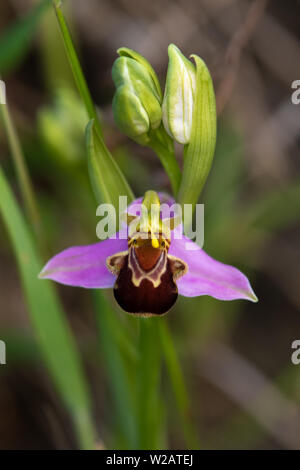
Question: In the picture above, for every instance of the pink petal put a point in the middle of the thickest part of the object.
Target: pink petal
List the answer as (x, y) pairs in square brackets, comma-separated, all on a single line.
[(84, 266), (207, 276)]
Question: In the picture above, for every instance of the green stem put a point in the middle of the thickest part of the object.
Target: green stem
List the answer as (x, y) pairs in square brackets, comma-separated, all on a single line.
[(102, 162), (85, 429), (56, 70), (148, 383), (76, 67), (22, 172), (164, 148), (178, 384), (117, 373)]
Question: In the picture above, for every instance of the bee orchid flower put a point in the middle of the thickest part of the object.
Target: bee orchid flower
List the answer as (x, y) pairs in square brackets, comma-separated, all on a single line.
[(147, 264)]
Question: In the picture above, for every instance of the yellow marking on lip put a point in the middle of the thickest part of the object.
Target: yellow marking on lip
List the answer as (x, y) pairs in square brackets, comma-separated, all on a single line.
[(155, 243)]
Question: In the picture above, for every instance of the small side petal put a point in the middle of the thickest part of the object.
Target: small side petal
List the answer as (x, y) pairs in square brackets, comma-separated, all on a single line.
[(84, 266), (207, 276)]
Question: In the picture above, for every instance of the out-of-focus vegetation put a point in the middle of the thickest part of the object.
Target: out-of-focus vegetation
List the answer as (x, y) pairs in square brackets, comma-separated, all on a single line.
[(71, 373)]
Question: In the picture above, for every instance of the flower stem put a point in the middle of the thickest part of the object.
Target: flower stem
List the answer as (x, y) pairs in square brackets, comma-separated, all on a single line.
[(24, 180), (178, 384), (76, 67), (163, 146), (114, 361), (148, 383)]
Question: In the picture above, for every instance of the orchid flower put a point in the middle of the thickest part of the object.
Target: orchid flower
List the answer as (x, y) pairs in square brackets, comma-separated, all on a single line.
[(150, 261), (148, 266)]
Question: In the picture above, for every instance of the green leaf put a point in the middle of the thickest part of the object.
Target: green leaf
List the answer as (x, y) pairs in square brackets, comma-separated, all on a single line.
[(75, 66), (200, 150), (106, 177), (47, 317), (23, 176), (178, 384), (15, 42)]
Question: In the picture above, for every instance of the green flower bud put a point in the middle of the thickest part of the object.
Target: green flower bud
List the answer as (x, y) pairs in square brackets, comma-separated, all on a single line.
[(126, 52), (137, 103), (179, 97)]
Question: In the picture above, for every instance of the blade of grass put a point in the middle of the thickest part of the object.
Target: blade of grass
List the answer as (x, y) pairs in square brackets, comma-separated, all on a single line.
[(56, 70), (16, 40), (75, 65), (23, 177), (47, 317), (105, 160), (178, 384)]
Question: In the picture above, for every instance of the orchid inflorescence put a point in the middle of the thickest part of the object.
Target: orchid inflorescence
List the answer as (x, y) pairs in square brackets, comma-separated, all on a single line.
[(150, 260)]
